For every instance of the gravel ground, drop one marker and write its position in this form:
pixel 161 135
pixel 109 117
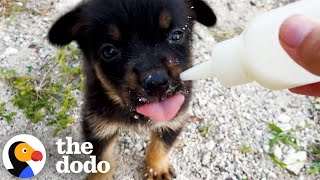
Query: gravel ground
pixel 232 116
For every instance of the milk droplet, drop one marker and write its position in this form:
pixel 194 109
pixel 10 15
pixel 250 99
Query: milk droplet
pixel 132 109
pixel 136 116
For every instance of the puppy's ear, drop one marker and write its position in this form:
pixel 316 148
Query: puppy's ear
pixel 66 28
pixel 202 12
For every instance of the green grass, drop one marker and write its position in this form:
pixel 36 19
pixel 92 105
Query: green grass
pixel 317 101
pixel 315 155
pixel 11 7
pixel 44 98
pixel 314 168
pixel 285 137
pixel 204 131
pixel 277 161
pixel 10 10
pixel 245 149
pixel 6 116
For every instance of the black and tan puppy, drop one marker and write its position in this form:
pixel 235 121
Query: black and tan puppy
pixel 134 52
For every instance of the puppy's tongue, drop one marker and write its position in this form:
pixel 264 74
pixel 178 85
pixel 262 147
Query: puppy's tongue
pixel 162 110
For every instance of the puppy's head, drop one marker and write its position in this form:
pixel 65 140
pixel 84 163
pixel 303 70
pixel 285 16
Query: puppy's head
pixel 136 49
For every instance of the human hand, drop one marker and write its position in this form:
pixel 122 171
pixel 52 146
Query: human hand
pixel 300 37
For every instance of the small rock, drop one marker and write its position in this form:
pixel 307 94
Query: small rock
pixel 178 144
pixel 10 51
pixel 6 38
pixel 126 151
pixel 302 123
pixel 237 131
pixel 285 126
pixel 202 102
pixel 266 148
pixel 295 161
pixel 276 151
pixel 139 147
pixel 210 145
pixel 284 118
pixel 291 150
pixel 221 120
pixel 272 175
pixel 19 4
pixel 285 149
pixel 258 132
pixel 206 158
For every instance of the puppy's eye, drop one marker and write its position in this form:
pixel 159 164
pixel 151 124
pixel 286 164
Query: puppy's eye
pixel 108 52
pixel 176 36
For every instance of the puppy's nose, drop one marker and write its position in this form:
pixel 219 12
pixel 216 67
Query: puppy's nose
pixel 156 84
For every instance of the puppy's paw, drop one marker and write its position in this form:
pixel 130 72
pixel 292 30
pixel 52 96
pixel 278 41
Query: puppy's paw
pixel 159 173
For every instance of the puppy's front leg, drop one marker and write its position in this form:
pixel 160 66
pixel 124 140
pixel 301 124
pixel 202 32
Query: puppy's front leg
pixel 157 165
pixel 103 149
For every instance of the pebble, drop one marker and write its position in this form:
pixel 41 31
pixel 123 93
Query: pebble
pixel 19 4
pixel 258 132
pixel 206 158
pixel 10 51
pixel 266 148
pixel 302 123
pixel 210 145
pixel 276 151
pixel 285 126
pixel 272 175
pixel 178 143
pixel 295 162
pixel 6 38
pixel 284 118
pixel 138 147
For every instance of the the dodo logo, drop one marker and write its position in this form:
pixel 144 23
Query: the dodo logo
pixel 24 156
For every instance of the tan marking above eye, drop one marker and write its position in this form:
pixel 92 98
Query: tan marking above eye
pixel 114 32
pixel 165 19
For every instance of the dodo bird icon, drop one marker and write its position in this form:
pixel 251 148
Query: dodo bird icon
pixel 19 154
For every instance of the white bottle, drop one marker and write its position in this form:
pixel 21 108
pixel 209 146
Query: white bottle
pixel 257 55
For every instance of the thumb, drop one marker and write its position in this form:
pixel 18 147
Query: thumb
pixel 300 37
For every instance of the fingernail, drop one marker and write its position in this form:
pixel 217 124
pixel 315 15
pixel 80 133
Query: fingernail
pixel 295 29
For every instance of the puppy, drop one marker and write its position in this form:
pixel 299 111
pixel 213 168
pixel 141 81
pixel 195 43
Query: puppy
pixel 134 52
